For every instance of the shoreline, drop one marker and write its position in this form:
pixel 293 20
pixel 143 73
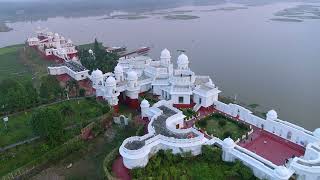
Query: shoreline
pixel 5 28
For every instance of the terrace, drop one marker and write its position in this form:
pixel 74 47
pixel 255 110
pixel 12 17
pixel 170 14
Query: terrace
pixel 159 125
pixel 271 147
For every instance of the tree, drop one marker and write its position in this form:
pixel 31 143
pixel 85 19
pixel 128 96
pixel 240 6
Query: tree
pixel 222 123
pixel 243 171
pixel 17 95
pixel 101 59
pixel 47 123
pixel 50 88
pixel 73 86
pixel 67 110
pixel 227 134
pixel 82 92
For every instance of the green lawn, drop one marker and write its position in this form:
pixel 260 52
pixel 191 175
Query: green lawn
pixel 223 129
pixel 19 128
pixel 19 61
pixel 10 64
pixel 17 157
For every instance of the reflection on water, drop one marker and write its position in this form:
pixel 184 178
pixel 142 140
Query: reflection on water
pixel 273 64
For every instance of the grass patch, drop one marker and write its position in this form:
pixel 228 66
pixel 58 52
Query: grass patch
pixel 223 127
pixel 20 61
pixel 10 63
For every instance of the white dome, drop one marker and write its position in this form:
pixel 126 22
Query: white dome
pixel 183 59
pixel 316 133
pixel 132 75
pixel 118 69
pixel 272 115
pixel 97 74
pixel 90 51
pixel 165 53
pixel 144 104
pixel 69 41
pixel 228 142
pixel 110 81
pixel 282 171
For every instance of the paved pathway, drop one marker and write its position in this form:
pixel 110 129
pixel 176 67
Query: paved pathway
pixel 120 171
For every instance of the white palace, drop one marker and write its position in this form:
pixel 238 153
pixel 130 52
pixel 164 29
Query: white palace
pixel 141 74
pixel 280 150
pixel 53 46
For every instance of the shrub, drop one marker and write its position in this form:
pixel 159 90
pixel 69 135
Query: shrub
pixel 218 116
pixel 227 134
pixel 243 126
pixel 203 123
pixel 222 123
pixel 82 92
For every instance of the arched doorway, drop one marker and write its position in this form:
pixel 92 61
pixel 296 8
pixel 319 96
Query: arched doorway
pixel 122 120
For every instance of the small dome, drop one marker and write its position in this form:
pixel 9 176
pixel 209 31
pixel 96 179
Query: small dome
pixel 132 75
pixel 183 59
pixel 118 69
pixel 272 115
pixel 144 104
pixel 90 51
pixel 316 133
pixel 228 142
pixel 97 74
pixel 282 171
pixel 110 81
pixel 165 53
pixel 69 41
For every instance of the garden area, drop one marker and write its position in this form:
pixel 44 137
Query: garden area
pixel 74 112
pixel 88 163
pixel 189 113
pixel 222 127
pixel 149 97
pixel 208 165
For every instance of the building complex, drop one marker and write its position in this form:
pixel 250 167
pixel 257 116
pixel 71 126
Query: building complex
pixel 278 150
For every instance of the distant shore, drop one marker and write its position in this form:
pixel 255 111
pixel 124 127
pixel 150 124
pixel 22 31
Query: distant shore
pixel 4 27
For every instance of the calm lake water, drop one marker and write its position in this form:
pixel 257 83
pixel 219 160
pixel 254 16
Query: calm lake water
pixel 271 63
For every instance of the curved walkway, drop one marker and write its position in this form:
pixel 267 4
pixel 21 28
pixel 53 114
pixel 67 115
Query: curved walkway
pixel 119 170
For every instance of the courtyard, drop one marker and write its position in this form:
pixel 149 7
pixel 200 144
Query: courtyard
pixel 222 127
pixel 271 147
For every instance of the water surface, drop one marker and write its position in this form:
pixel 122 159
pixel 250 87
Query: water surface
pixel 271 63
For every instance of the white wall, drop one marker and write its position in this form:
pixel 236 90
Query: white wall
pixel 278 127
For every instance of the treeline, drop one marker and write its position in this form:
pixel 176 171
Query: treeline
pixel 101 59
pixel 18 95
